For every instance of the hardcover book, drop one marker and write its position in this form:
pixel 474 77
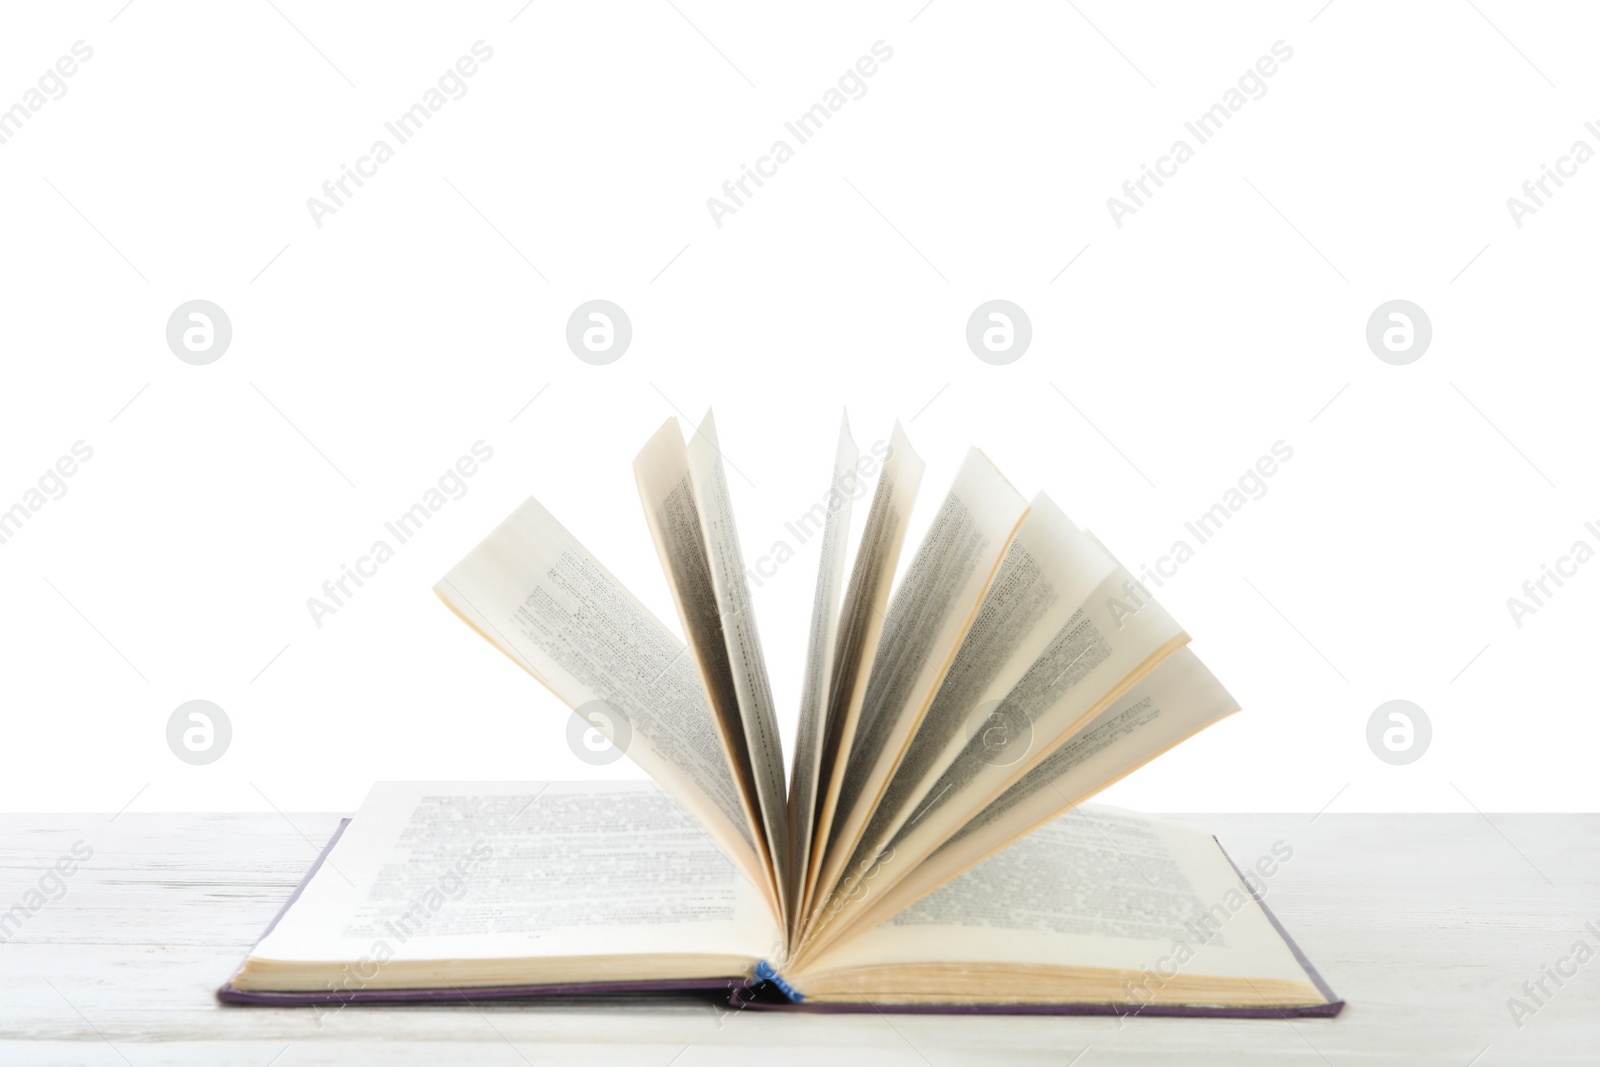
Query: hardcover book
pixel 926 847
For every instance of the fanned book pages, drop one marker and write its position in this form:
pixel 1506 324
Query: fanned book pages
pixel 925 849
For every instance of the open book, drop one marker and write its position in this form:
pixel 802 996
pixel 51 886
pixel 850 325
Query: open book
pixel 924 850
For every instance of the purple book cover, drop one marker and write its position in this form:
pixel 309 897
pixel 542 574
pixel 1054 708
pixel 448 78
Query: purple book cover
pixel 766 991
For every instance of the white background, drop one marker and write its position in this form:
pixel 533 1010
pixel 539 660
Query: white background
pixel 368 354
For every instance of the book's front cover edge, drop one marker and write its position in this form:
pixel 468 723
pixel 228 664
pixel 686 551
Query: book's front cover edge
pixel 1186 1011
pixel 464 994
pixel 1334 1002
pixel 311 872
pixel 228 994
pixel 761 1000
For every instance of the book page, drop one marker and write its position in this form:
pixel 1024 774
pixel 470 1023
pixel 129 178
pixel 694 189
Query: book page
pixel 758 716
pixel 860 629
pixel 1114 638
pixel 540 597
pixel 1172 703
pixel 1095 888
pixel 668 493
pixel 1046 573
pixel 847 481
pixel 437 876
pixel 928 616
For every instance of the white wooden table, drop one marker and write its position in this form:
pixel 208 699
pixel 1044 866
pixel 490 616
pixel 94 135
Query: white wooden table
pixel 1425 924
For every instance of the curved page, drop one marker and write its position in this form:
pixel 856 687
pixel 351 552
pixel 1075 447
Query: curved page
pixel 1175 701
pixel 848 480
pixel 544 600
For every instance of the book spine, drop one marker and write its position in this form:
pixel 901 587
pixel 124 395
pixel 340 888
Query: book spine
pixel 765 972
